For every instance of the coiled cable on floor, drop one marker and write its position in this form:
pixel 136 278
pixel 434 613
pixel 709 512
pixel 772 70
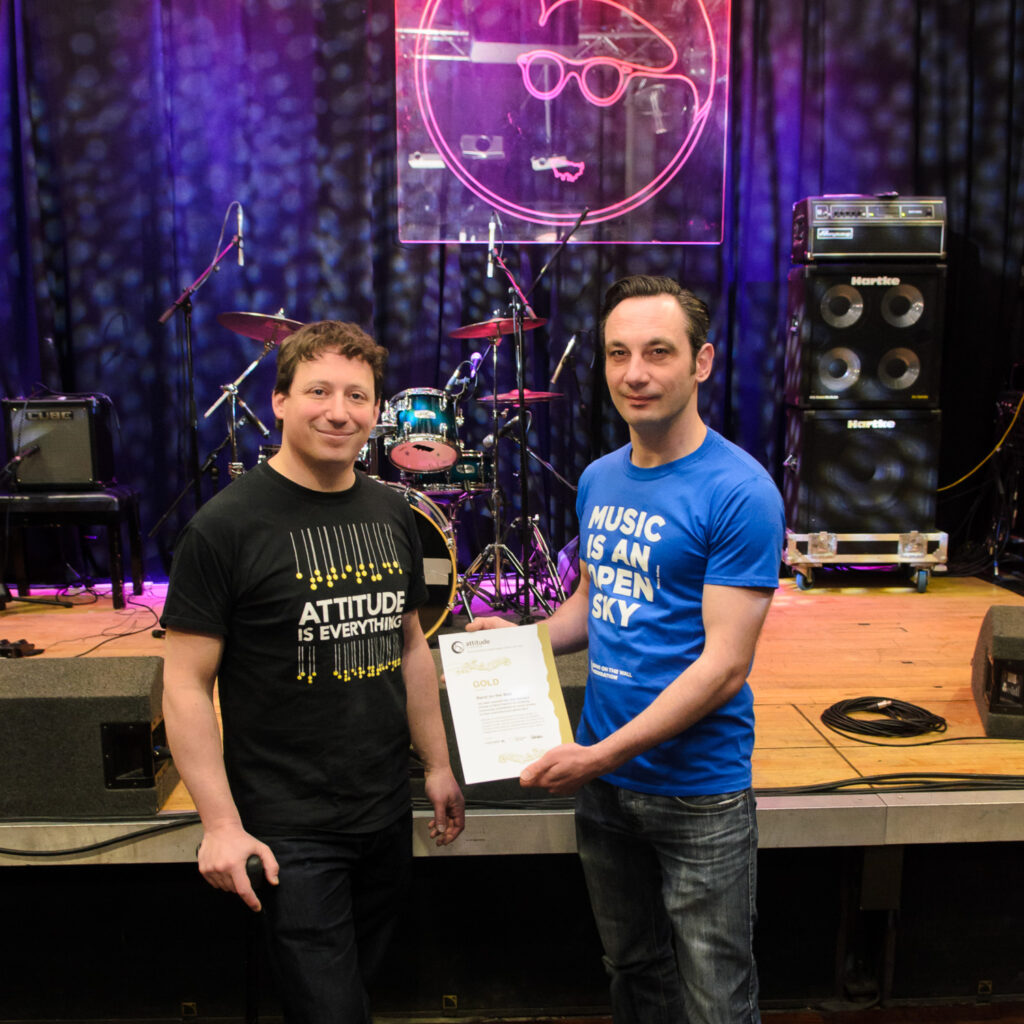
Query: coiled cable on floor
pixel 898 720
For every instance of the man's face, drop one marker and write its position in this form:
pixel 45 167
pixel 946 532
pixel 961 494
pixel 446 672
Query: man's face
pixel 329 409
pixel 649 365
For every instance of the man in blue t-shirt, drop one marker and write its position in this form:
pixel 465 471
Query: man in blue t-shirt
pixel 681 536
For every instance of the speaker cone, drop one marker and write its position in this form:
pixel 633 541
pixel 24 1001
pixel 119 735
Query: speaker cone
pixel 902 306
pixel 899 368
pixel 839 369
pixel 842 306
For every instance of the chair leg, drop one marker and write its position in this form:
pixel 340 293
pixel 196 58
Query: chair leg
pixel 135 544
pixel 18 558
pixel 116 560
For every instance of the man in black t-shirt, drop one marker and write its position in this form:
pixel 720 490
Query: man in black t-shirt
pixel 296 590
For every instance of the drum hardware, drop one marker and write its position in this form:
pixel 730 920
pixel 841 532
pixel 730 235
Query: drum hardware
pixel 536 561
pixel 266 329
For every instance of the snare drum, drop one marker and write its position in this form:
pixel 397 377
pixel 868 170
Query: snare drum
pixel 468 474
pixel 425 438
pixel 439 569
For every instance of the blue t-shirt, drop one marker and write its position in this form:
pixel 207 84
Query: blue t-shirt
pixel 651 539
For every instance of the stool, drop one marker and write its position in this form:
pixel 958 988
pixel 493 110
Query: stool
pixel 112 508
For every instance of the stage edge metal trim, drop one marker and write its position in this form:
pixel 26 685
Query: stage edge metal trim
pixel 890 819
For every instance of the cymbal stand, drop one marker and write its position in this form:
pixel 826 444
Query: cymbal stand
pixel 235 467
pixel 492 561
pixel 236 402
pixel 533 558
pixel 489 565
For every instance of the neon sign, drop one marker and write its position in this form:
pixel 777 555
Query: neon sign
pixel 536 109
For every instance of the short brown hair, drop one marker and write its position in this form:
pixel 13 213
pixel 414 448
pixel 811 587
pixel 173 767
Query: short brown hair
pixel 312 340
pixel 642 286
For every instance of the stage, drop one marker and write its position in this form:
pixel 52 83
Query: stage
pixel 869 888
pixel 815 787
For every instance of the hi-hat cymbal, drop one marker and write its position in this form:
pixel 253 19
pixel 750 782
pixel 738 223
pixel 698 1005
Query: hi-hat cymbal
pixel 512 397
pixel 260 326
pixel 496 327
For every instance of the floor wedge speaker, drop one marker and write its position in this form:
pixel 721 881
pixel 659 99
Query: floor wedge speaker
pixel 82 738
pixel 997 672
pixel 862 335
pixel 861 470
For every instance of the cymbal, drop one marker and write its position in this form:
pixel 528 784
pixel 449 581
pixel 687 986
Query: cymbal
pixel 512 397
pixel 259 326
pixel 496 327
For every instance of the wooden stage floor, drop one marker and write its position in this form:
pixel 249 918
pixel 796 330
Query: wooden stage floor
pixel 818 647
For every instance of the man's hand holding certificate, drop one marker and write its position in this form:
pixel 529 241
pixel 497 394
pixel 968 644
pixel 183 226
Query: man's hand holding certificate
pixel 506 701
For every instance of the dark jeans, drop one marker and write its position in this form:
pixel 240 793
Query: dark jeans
pixel 672 883
pixel 331 917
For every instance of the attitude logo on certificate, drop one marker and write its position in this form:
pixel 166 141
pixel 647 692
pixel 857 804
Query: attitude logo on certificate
pixel 507 704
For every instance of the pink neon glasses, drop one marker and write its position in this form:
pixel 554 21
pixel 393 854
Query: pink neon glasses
pixel 602 80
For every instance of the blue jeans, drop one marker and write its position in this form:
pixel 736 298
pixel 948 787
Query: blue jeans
pixel 330 919
pixel 672 881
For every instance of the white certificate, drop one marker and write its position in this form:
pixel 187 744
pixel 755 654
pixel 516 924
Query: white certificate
pixel 507 704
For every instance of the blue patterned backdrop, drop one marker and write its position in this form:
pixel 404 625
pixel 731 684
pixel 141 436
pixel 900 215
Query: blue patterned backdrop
pixel 127 129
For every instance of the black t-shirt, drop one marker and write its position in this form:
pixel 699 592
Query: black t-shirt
pixel 308 590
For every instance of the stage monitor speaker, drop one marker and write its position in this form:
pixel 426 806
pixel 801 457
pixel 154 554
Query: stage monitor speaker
pixel 83 738
pixel 862 335
pixel 71 438
pixel 861 471
pixel 997 672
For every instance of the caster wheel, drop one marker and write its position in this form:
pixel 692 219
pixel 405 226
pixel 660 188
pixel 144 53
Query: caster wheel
pixel 804 581
pixel 921 580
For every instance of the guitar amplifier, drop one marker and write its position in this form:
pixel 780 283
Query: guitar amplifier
pixel 869 227
pixel 59 442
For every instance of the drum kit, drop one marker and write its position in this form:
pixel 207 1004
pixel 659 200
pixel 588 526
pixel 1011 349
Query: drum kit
pixel 418 438
pixel 419 429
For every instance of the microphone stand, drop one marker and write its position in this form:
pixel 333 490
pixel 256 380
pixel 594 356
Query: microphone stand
pixel 519 305
pixel 184 302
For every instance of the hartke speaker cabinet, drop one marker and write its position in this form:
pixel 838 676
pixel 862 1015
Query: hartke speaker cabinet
pixel 861 470
pixel 74 439
pixel 82 737
pixel 862 335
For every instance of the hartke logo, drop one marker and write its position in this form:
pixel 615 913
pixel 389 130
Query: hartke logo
pixel 885 282
pixel 870 424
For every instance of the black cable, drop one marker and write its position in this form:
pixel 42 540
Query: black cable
pixel 180 821
pixel 929 782
pixel 898 718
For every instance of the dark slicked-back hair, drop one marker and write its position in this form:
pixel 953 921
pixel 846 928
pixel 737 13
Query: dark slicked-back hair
pixel 642 286
pixel 311 340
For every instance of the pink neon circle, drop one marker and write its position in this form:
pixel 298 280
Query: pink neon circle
pixel 629 203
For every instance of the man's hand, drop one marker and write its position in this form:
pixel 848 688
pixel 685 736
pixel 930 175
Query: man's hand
pixel 563 769
pixel 444 794
pixel 222 856
pixel 488 622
